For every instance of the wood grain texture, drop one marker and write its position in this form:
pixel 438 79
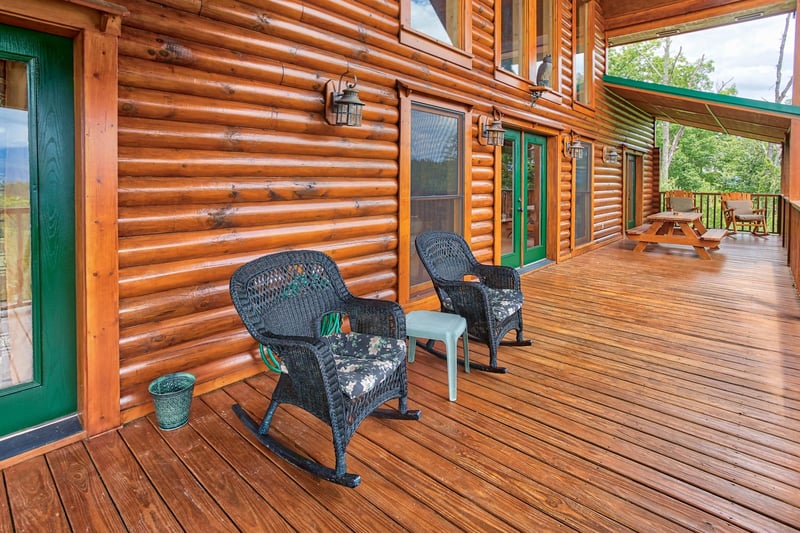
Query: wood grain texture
pixel 662 393
pixel 30 487
pixel 138 501
pixel 6 524
pixel 224 155
pixel 188 500
pixel 86 501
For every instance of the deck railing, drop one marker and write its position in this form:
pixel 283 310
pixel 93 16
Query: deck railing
pixel 710 205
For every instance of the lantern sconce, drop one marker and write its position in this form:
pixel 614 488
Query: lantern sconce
pixel 573 148
pixel 491 134
pixel 610 155
pixel 342 106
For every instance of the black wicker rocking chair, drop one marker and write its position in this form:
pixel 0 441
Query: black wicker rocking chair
pixel 487 296
pixel 341 378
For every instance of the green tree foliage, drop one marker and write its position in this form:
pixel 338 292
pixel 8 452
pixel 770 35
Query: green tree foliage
pixel 694 159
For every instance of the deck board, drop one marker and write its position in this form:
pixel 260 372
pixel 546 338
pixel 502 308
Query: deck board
pixel 86 501
pixel 140 506
pixel 662 393
pixel 193 507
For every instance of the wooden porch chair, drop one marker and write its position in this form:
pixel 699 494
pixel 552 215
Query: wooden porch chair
pixel 285 300
pixel 487 296
pixel 738 209
pixel 681 201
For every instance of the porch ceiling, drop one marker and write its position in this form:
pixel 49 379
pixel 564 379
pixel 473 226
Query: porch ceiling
pixel 629 21
pixel 744 117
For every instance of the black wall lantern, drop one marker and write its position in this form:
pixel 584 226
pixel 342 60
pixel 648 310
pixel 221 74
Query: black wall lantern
pixel 342 106
pixel 573 148
pixel 490 131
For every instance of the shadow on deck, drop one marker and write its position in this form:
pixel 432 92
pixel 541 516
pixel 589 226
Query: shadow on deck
pixel 662 393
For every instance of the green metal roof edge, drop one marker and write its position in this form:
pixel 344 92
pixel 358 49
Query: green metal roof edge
pixel 784 109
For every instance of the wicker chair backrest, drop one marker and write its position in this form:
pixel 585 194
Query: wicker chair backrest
pixel 445 255
pixel 286 293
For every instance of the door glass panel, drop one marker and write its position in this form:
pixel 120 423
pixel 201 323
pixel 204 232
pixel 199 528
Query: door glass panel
pixel 507 228
pixel 630 199
pixel 534 203
pixel 16 346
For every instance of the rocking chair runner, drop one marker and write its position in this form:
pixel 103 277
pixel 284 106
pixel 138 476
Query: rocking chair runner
pixel 283 300
pixel 487 296
pixel 738 209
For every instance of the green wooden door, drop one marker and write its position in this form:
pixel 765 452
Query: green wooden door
pixel 523 198
pixel 534 214
pixel 38 381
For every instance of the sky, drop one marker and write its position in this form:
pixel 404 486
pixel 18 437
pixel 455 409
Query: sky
pixel 747 53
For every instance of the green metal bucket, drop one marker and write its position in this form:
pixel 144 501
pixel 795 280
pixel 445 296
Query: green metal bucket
pixel 172 396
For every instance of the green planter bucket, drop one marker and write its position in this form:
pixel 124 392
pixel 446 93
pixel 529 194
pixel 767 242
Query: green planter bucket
pixel 172 396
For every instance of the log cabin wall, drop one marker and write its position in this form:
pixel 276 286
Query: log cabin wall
pixel 225 155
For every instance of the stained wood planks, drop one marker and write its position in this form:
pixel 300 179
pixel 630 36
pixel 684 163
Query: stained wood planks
pixel 30 486
pixel 629 413
pixel 87 504
pixel 224 154
pixel 138 501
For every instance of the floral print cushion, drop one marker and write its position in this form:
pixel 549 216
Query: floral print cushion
pixel 364 361
pixel 504 302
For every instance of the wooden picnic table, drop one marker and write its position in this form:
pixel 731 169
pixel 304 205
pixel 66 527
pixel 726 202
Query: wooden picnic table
pixel 673 227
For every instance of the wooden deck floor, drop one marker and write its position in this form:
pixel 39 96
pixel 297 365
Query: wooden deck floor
pixel 662 394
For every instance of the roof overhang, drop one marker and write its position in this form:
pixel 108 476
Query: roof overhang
pixel 753 119
pixel 643 20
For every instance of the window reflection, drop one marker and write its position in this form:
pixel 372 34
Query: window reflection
pixel 16 349
pixel 437 196
pixel 438 19
pixel 527 38
pixel 583 195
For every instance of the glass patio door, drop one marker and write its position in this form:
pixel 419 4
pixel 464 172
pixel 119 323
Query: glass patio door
pixel 523 198
pixel 38 380
pixel 631 189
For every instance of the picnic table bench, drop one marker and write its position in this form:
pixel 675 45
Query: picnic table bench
pixel 673 227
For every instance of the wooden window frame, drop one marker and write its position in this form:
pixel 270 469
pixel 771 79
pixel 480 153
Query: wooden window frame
pixel 408 97
pixel 459 55
pixel 525 82
pixel 588 66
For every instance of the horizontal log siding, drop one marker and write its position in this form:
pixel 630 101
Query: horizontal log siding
pixel 225 155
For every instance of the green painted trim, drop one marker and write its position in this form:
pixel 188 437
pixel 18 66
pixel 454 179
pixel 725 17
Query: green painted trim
pixel 736 101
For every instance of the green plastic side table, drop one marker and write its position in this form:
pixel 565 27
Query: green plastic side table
pixel 445 327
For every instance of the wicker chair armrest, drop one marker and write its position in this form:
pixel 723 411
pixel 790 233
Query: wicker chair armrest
pixel 304 355
pixel 497 276
pixel 376 317
pixel 276 341
pixel 468 298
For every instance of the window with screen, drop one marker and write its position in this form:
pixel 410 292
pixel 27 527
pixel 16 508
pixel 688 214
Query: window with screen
pixel 436 176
